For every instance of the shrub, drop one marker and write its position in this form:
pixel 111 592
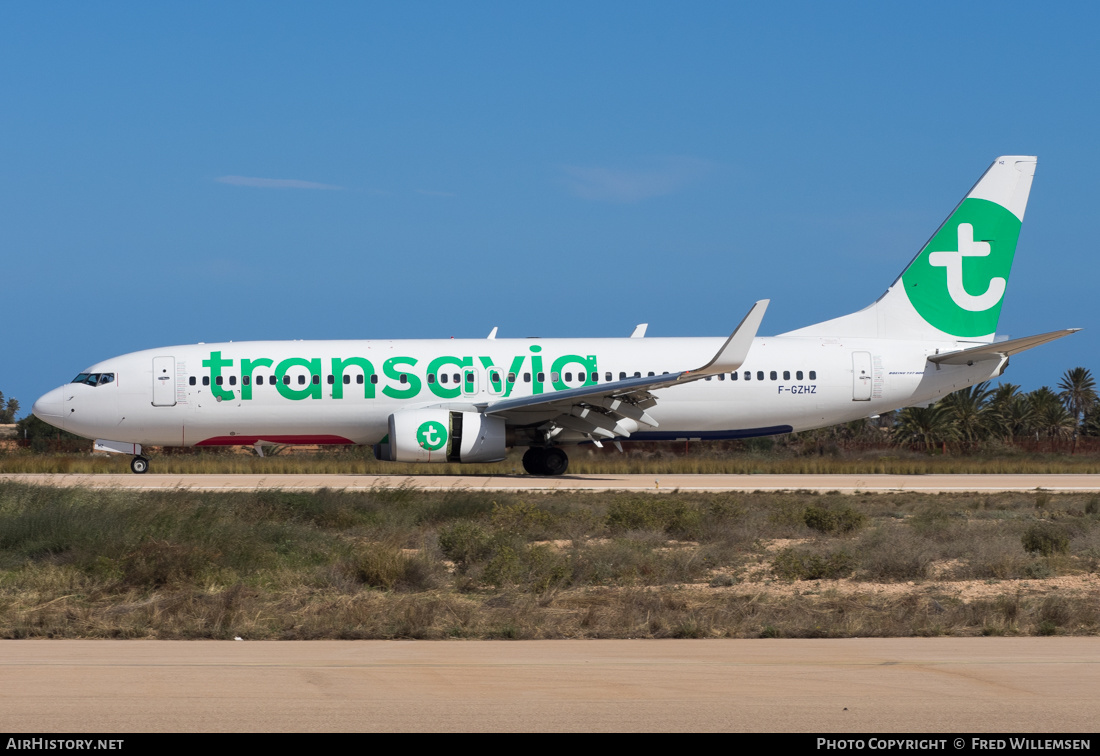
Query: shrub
pixel 1045 538
pixel 794 564
pixel 465 542
pixel 387 567
pixel 833 520
pixel 676 518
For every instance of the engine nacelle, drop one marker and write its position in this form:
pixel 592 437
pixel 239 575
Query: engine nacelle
pixel 439 435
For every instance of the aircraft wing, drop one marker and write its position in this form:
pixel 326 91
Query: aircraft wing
pixel 997 350
pixel 608 410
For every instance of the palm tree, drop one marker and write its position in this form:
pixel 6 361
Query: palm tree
pixel 969 412
pixel 1050 418
pixel 1079 395
pixel 927 425
pixel 1007 411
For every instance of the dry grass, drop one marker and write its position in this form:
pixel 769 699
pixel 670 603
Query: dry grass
pixel 400 563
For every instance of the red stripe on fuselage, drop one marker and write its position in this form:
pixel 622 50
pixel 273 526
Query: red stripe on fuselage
pixel 249 440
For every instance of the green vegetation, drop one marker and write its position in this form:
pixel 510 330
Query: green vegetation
pixel 402 563
pixel 8 409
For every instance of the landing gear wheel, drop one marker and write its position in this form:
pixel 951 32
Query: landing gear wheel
pixel 139 465
pixel 533 461
pixel 545 461
pixel 556 462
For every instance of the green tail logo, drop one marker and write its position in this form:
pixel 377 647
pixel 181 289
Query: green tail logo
pixel 957 283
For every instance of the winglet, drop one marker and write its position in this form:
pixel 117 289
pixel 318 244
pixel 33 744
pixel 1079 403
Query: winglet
pixel 733 353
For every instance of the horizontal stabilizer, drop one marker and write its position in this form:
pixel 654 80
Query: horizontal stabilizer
pixel 998 350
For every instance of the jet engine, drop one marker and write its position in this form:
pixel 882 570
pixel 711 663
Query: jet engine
pixel 439 435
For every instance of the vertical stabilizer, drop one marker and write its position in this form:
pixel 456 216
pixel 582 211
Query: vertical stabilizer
pixel 953 289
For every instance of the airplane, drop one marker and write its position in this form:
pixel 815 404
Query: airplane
pixel 443 400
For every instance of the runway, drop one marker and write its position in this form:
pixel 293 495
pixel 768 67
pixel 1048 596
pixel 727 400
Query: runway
pixel 848 484
pixel 936 685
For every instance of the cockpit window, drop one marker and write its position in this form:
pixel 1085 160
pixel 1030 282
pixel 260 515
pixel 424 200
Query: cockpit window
pixel 94 379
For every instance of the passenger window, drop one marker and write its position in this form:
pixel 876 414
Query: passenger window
pixel 637 374
pixel 232 380
pixel 651 374
pixel 798 375
pixel 458 378
pixel 748 375
pixel 786 375
pixel 260 380
pixel 555 377
pixel 721 376
pixel 359 379
pixel 218 380
pixel 733 376
pixel 709 377
pixel 191 381
pixel 331 379
pixel 526 377
pixel 622 376
pixel 316 380
pixel 443 378
pixel 542 377
pixel 431 378
pixel 813 375
pixel 246 380
pixel 494 378
pixel 206 380
pixel 568 377
pixel 607 376
pixel 404 378
pixel 774 376
pixel 373 378
pixel 511 377
pixel 301 380
pixel 596 377
pixel 759 375
pixel 469 378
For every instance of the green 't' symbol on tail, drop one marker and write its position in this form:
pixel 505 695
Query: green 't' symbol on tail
pixel 957 283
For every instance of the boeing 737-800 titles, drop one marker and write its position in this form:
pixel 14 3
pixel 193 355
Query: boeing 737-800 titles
pixel 931 333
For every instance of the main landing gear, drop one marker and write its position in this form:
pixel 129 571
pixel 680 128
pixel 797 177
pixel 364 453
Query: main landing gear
pixel 139 464
pixel 548 460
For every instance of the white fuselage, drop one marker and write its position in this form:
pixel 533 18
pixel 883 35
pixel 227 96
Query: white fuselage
pixel 344 391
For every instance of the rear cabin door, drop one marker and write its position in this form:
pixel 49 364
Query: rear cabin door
pixel 861 376
pixel 164 381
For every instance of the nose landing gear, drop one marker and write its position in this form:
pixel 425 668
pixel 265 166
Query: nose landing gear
pixel 550 460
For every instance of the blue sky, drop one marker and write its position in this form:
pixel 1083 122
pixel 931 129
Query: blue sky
pixel 174 173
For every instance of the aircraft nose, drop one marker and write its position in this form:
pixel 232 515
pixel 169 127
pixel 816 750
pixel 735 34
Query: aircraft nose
pixel 50 407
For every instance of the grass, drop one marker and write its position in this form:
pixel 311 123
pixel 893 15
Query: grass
pixel 402 563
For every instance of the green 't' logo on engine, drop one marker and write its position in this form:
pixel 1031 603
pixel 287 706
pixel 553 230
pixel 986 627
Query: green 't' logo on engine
pixel 957 283
pixel 431 435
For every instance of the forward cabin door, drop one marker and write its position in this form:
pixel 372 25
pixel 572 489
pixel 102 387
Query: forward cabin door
pixel 861 376
pixel 164 381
